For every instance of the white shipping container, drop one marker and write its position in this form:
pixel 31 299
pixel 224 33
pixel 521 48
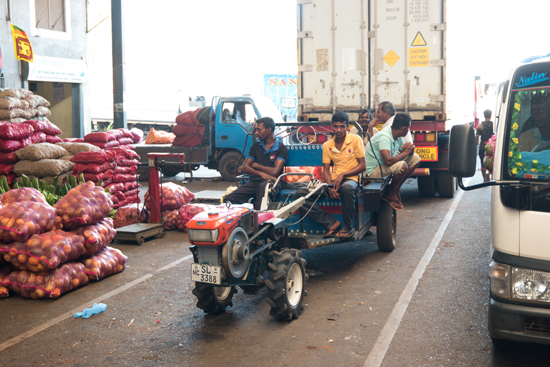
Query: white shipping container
pixel 353 54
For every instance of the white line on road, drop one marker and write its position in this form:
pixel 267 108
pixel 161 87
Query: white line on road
pixel 175 263
pixel 68 314
pixel 378 352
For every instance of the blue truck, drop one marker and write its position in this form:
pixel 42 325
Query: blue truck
pixel 226 141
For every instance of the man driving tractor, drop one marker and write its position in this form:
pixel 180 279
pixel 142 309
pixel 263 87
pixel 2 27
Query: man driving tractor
pixel 345 152
pixel 264 163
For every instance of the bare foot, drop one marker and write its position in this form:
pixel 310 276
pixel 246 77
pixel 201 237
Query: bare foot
pixel 333 229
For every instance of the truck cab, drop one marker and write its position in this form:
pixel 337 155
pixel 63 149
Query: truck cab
pixel 519 307
pixel 226 138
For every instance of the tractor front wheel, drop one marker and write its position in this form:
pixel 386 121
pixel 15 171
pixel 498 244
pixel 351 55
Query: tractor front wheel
pixel 286 284
pixel 213 300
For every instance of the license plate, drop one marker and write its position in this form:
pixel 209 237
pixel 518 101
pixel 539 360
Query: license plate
pixel 210 274
pixel 427 154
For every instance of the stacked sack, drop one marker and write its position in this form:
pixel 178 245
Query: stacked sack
pixel 45 130
pixel 112 138
pixel 43 160
pixel 39 253
pixel 172 198
pixel 95 166
pixel 125 186
pixel 190 127
pixel 12 138
pixel 130 214
pixel 18 105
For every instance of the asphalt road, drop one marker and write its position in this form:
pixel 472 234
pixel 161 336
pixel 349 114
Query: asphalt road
pixel 425 304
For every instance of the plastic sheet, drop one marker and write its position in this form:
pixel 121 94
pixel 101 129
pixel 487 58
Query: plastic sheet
pixel 84 204
pixel 48 284
pixel 105 263
pixel 44 251
pixel 19 221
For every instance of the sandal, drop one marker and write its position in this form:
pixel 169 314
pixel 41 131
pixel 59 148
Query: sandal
pixel 331 231
pixel 394 203
pixel 345 234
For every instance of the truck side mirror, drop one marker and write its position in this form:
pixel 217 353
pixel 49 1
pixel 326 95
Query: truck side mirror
pixel 462 151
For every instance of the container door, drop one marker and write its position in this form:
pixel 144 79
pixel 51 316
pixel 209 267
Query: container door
pixel 407 58
pixel 332 55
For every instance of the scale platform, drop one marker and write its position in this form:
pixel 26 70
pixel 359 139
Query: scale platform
pixel 139 232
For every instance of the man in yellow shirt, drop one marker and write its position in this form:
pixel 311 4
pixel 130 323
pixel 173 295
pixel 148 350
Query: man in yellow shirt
pixel 345 152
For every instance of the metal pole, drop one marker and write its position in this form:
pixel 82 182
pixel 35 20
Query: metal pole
pixel 119 84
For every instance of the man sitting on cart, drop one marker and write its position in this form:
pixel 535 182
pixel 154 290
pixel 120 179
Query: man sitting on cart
pixel 387 154
pixel 345 152
pixel 264 163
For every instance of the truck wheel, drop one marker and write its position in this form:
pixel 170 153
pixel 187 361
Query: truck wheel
pixel 213 300
pixel 445 184
pixel 143 173
pixel 228 165
pixel 286 284
pixel 171 171
pixel 426 186
pixel 386 227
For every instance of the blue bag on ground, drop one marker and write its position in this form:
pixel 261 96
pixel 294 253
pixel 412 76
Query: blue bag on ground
pixel 96 308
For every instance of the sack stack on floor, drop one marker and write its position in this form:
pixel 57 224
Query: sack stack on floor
pixel 18 105
pixel 95 166
pixel 42 160
pixel 125 186
pixel 172 198
pixel 45 261
pixel 128 214
pixel 111 138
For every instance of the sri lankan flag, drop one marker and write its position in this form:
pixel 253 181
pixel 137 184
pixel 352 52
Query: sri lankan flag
pixel 22 44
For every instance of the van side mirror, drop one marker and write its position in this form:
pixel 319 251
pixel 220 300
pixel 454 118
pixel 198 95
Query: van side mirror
pixel 462 151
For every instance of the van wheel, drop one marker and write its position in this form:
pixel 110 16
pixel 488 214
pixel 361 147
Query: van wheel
pixel 386 227
pixel 228 165
pixel 426 186
pixel 286 284
pixel 213 300
pixel 445 184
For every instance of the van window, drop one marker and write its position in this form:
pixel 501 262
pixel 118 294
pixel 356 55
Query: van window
pixel 528 134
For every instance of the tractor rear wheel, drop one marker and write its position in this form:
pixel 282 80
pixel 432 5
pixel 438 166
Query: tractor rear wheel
pixel 286 284
pixel 213 300
pixel 386 227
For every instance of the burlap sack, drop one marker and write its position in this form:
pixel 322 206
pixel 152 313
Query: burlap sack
pixel 43 167
pixel 74 148
pixel 7 103
pixel 37 152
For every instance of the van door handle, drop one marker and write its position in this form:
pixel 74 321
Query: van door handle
pixel 224 137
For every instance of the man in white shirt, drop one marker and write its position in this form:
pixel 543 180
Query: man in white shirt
pixel 385 115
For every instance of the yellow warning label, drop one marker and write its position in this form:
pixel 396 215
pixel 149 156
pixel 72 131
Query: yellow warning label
pixel 391 58
pixel 419 57
pixel 419 40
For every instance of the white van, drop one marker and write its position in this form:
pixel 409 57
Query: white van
pixel 519 308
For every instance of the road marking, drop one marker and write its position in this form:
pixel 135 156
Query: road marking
pixel 68 314
pixel 175 263
pixel 378 352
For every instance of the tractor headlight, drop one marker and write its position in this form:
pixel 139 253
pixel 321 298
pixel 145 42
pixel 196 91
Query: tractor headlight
pixel 530 285
pixel 203 235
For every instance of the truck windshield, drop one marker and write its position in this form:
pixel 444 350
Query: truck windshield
pixel 528 133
